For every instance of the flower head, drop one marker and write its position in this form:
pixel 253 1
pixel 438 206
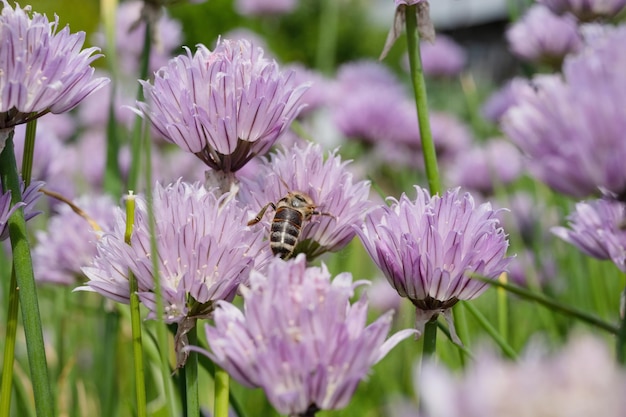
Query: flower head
pixel 596 228
pixel 30 195
pixel 205 251
pixel 443 57
pixel 424 24
pixel 429 249
pixel 541 36
pixel 69 241
pixel 586 10
pixel 265 7
pixel 580 380
pixel 307 352
pixel 225 106
pixel 327 182
pixel 42 70
pixel 572 127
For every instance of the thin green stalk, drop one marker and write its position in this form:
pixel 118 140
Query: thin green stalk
pixel 135 166
pixel 328 30
pixel 482 320
pixel 553 305
pixel 191 376
pixel 29 151
pixel 135 318
pixel 221 381
pixel 503 309
pixel 161 327
pixel 460 323
pixel 23 266
pixel 430 338
pixel 621 338
pixel 9 348
pixel 108 355
pixel 421 100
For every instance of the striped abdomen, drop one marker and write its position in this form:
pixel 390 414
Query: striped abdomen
pixel 285 231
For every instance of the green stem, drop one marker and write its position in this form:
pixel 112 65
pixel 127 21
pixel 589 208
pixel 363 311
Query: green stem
pixel 23 266
pixel 430 338
pixel 503 309
pixel 29 151
pixel 135 167
pixel 191 376
pixel 460 323
pixel 482 320
pixel 9 348
pixel 553 305
pixel 421 100
pixel 161 327
pixel 621 337
pixel 221 381
pixel 328 30
pixel 135 319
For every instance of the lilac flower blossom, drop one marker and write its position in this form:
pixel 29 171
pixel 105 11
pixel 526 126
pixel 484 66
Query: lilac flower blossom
pixel 265 7
pixel 69 241
pixel 328 182
pixel 205 251
pixel 443 57
pixel 225 106
pixel 572 127
pixel 309 351
pixel 485 167
pixel 360 102
pixel 596 228
pixel 541 36
pixel 42 70
pixel 30 195
pixel 430 248
pixel 582 379
pixel 586 10
pixel 499 102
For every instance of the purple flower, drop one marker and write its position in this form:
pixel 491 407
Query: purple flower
pixel 225 106
pixel 485 167
pixel 264 7
pixel 586 10
pixel 69 241
pixel 42 70
pixel 30 195
pixel 572 127
pixel 430 248
pixel 582 379
pixel 499 102
pixel 309 351
pixel 205 250
pixel 442 58
pixel 596 228
pixel 541 36
pixel 326 181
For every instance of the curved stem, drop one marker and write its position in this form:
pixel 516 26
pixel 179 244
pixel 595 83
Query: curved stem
pixel 23 266
pixel 421 100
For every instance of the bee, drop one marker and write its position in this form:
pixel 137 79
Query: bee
pixel 291 212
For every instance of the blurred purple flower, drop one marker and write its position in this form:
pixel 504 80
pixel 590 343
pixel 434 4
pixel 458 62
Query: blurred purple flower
pixel 309 351
pixel 361 99
pixel 582 379
pixel 329 184
pixel 318 93
pixel 205 251
pixel 499 103
pixel 528 270
pixel 443 57
pixel 541 36
pixel 430 248
pixel 130 26
pixel 42 70
pixel 573 127
pixel 485 167
pixel 30 195
pixel 264 7
pixel 225 106
pixel 586 10
pixel 597 229
pixel 69 241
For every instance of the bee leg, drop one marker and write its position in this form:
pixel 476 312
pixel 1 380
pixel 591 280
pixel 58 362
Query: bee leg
pixel 318 213
pixel 261 213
